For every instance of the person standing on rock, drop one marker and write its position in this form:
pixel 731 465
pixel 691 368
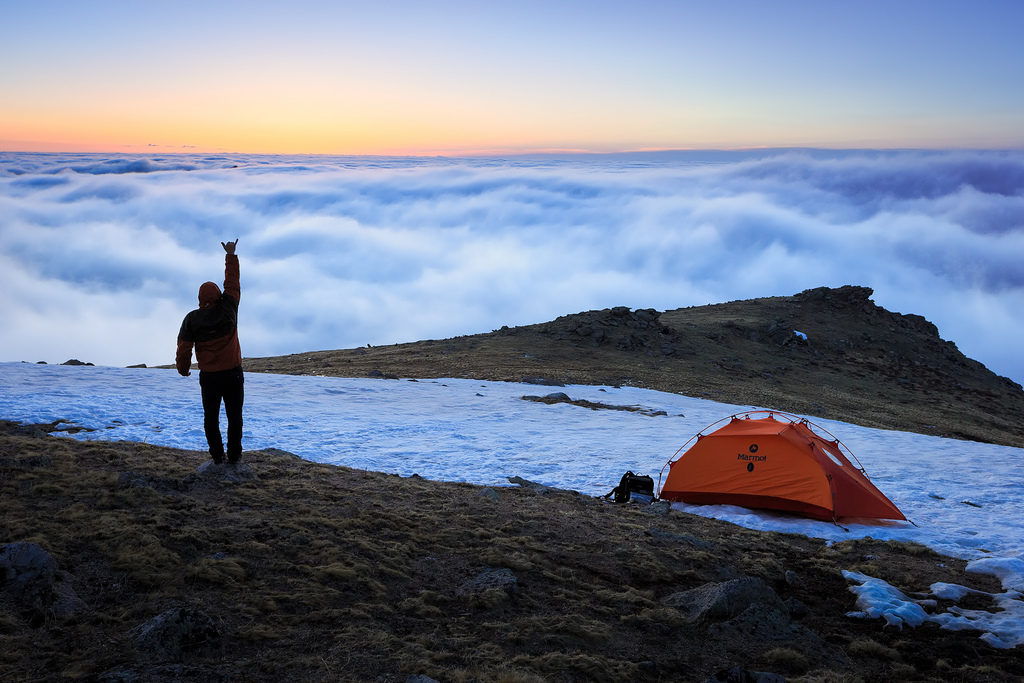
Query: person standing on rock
pixel 213 329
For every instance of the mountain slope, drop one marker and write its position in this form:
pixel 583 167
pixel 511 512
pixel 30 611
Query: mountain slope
pixel 859 362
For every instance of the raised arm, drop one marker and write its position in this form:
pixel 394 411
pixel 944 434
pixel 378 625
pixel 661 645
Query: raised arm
pixel 232 286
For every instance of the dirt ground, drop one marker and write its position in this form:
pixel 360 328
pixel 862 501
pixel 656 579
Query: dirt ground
pixel 324 573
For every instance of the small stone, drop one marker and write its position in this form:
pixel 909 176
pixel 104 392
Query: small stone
pixel 530 485
pixel 28 572
pixel 175 633
pixel 720 601
pixel 67 604
pixel 660 508
pixel 797 609
pixel 490 579
pixel 542 381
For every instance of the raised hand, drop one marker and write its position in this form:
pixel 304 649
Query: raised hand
pixel 229 247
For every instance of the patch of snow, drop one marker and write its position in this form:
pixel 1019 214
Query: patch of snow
pixel 877 599
pixel 1009 570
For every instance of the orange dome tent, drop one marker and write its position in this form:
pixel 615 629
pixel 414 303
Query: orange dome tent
pixel 759 461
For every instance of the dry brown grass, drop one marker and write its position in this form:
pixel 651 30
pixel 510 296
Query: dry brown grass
pixel 784 660
pixel 329 574
pixel 873 649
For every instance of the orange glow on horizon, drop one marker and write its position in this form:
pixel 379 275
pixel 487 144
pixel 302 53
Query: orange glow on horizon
pixel 406 136
pixel 299 118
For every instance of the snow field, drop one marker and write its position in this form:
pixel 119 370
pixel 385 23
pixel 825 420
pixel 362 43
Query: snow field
pixel 963 496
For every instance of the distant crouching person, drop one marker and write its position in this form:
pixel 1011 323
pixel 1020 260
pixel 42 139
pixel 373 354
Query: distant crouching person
pixel 213 329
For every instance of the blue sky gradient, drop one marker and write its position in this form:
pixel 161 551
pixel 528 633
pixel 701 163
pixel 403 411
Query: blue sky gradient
pixel 459 77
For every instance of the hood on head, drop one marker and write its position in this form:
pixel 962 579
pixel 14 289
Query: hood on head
pixel 209 294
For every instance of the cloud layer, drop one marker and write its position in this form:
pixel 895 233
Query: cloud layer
pixel 101 257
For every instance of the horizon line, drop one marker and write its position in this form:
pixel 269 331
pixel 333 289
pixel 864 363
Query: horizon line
pixel 190 150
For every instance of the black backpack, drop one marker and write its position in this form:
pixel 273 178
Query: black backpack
pixel 635 487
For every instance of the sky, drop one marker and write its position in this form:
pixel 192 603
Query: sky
pixel 460 77
pixel 411 170
pixel 962 497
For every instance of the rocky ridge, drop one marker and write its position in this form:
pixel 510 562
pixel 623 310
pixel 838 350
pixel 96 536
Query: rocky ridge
pixel 829 352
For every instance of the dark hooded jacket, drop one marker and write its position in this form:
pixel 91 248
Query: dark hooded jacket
pixel 213 327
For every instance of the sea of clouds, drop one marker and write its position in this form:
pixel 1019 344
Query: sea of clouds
pixel 102 255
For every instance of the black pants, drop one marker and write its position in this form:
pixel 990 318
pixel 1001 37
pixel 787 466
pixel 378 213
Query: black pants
pixel 227 385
